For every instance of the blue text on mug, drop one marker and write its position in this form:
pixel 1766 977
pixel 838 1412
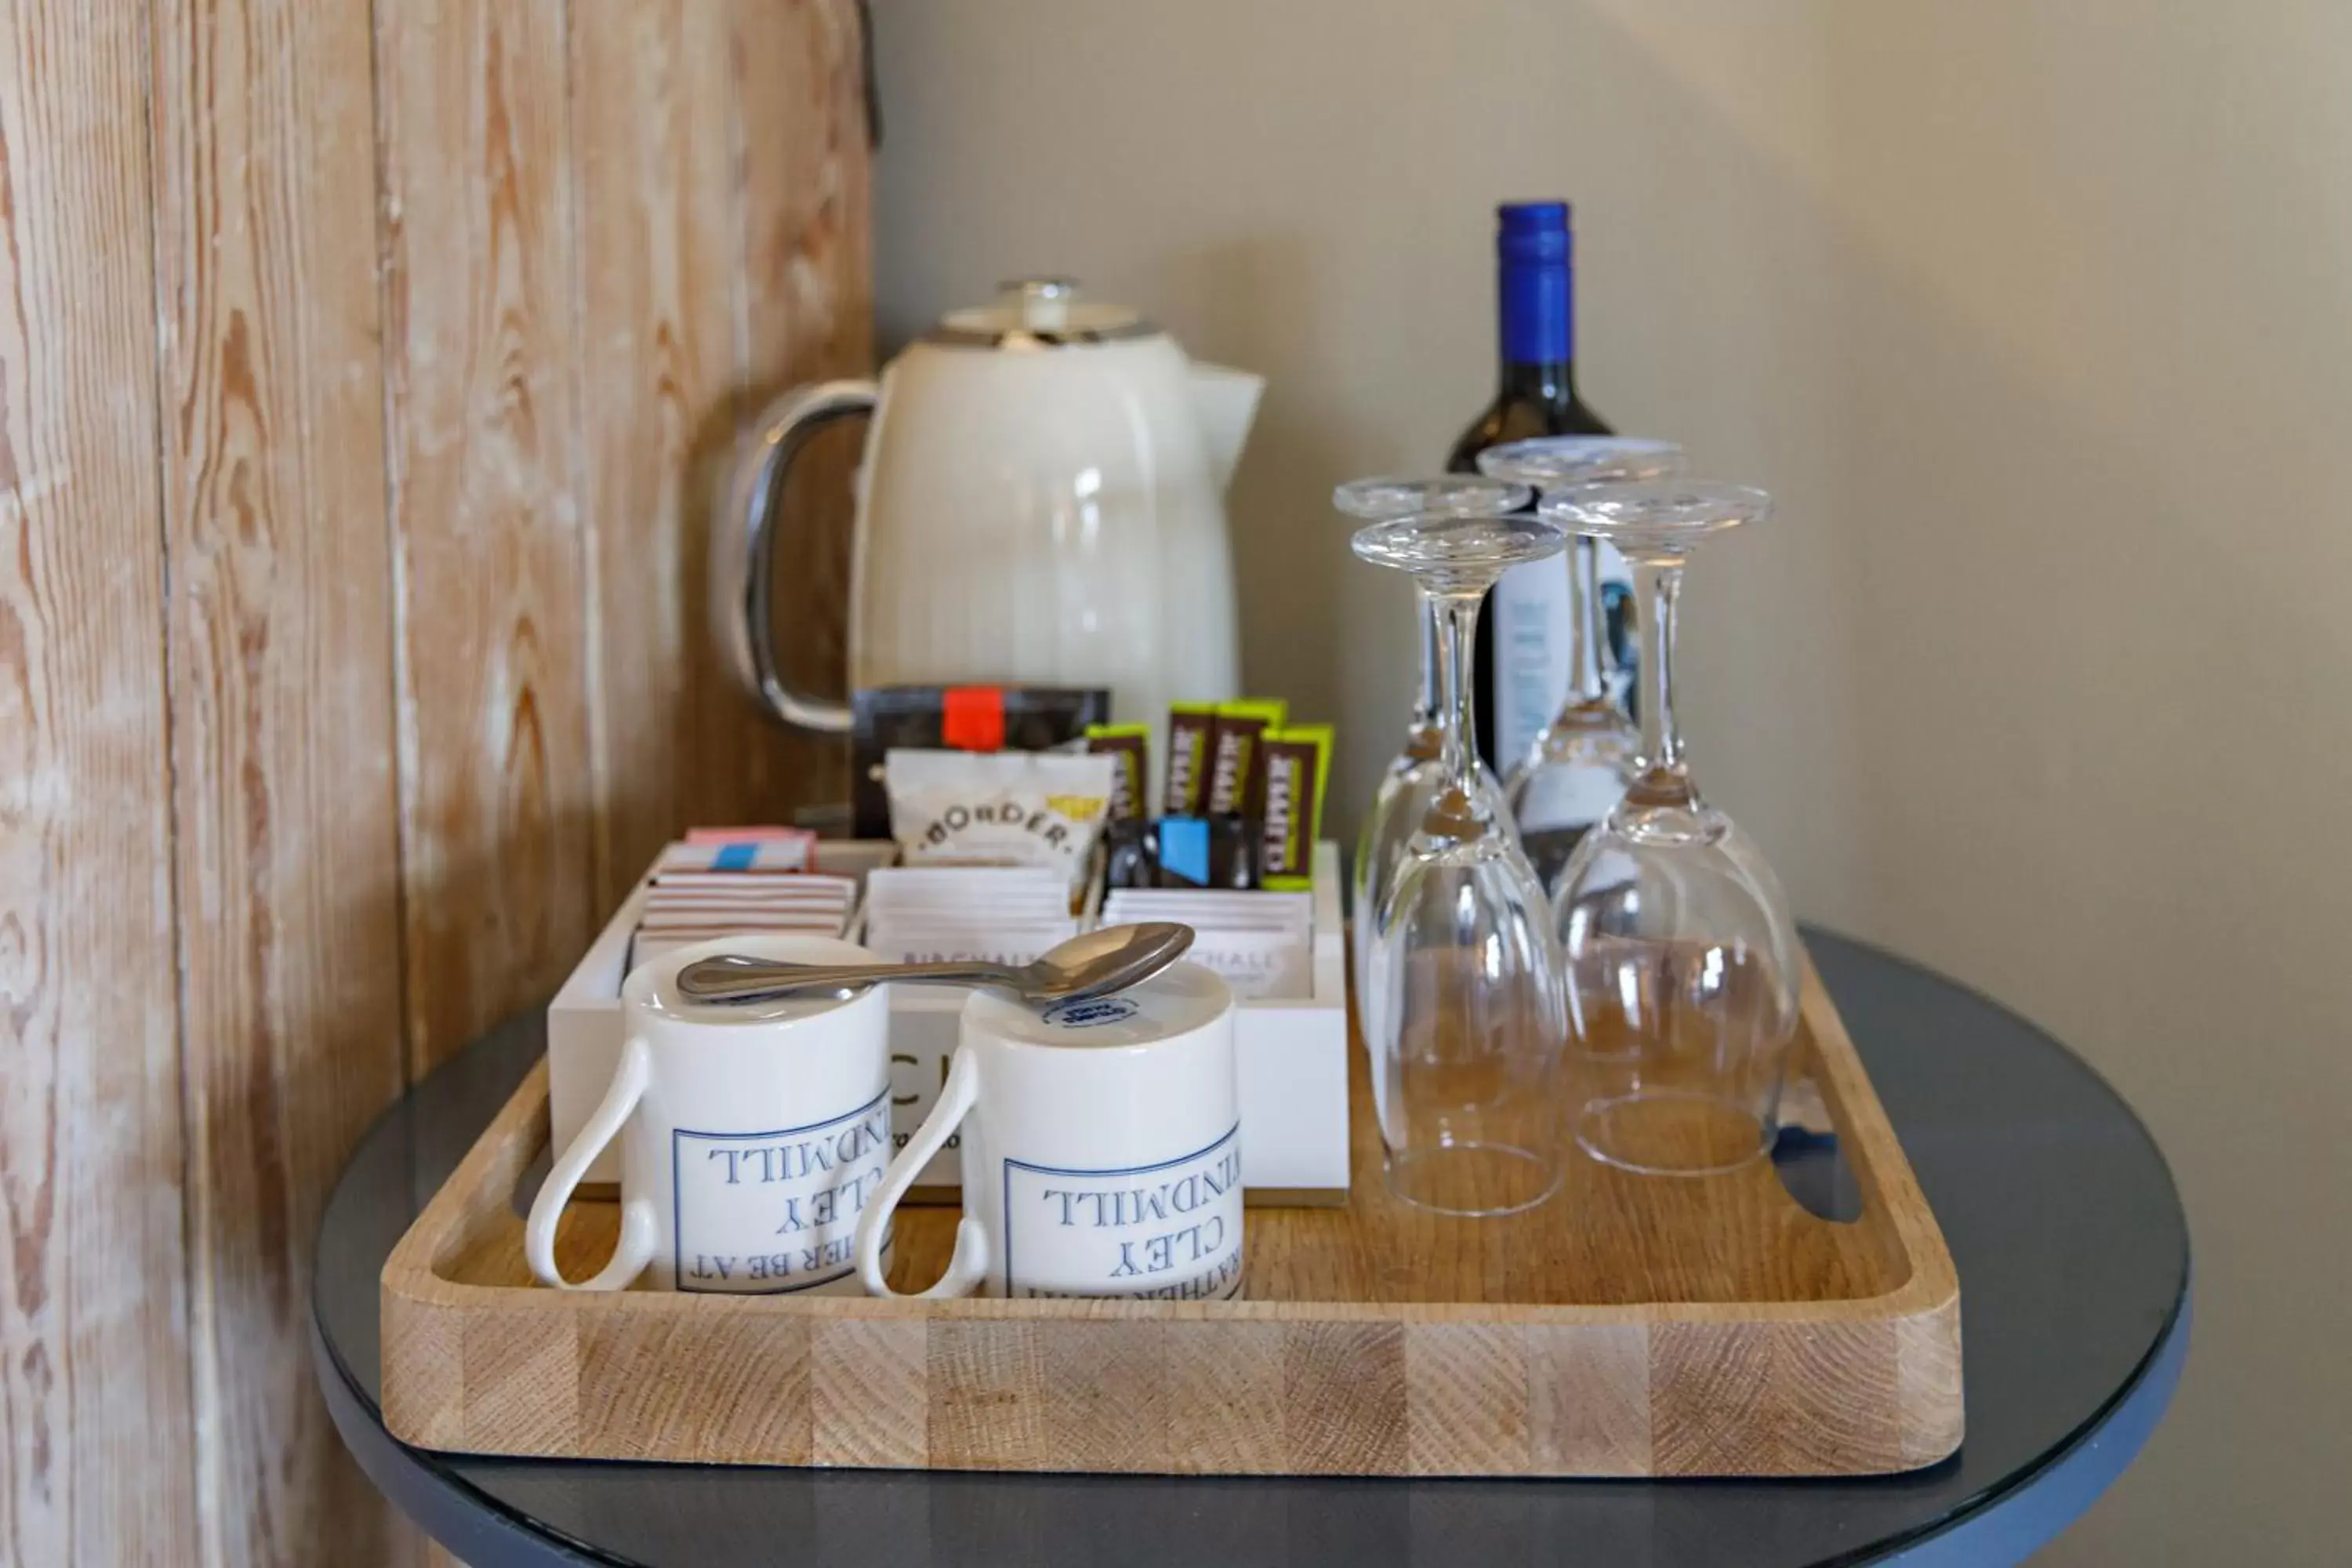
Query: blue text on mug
pixel 765 1213
pixel 1169 1231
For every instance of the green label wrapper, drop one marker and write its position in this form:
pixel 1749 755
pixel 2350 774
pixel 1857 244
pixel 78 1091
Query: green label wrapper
pixel 1297 761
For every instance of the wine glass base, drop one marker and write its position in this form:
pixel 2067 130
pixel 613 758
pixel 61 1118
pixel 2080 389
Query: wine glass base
pixel 1473 1181
pixel 1673 1133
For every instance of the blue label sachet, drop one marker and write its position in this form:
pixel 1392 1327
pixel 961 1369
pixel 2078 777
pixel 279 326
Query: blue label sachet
pixel 1185 847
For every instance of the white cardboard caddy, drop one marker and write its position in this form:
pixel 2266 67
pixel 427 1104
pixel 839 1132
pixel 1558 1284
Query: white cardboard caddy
pixel 1293 1053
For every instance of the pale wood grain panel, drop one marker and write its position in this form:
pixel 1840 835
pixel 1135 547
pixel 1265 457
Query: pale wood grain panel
pixel 1466 1399
pixel 869 1392
pixel 482 384
pixel 660 271
pixel 805 312
pixel 985 1386
pixel 1225 1397
pixel 808 307
pixel 281 696
pixel 1926 1369
pixel 363 486
pixel 522 1373
pixel 1106 1386
pixel 1773 1398
pixel 431 1405
pixel 738 1381
pixel 1785 1345
pixel 96 1436
pixel 1343 1398
pixel 1588 1399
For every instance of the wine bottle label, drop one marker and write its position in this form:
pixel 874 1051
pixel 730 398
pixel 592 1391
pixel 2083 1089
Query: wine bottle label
pixel 1534 612
pixel 1531 609
pixel 1563 797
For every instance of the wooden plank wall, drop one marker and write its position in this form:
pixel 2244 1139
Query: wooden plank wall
pixel 365 371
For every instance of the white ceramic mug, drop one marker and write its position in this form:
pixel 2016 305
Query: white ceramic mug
pixel 1101 1148
pixel 752 1135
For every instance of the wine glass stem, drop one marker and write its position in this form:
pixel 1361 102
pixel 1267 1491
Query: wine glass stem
pixel 1456 614
pixel 1659 583
pixel 1433 635
pixel 1586 636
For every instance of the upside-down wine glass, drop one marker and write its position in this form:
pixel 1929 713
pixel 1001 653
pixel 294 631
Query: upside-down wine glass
pixel 1677 944
pixel 1465 1020
pixel 1405 786
pixel 1574 773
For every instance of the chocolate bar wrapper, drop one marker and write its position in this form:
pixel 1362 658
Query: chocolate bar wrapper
pixel 1297 762
pixel 1130 745
pixel 958 719
pixel 1236 783
pixel 1191 727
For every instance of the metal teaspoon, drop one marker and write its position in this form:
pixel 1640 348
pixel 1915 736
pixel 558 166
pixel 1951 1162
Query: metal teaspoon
pixel 1094 964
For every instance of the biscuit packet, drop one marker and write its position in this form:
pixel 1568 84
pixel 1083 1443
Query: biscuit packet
pixel 1000 808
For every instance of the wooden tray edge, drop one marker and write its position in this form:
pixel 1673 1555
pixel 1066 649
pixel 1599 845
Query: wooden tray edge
pixel 1925 1309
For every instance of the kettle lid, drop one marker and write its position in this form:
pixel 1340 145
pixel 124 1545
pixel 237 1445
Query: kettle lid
pixel 1043 312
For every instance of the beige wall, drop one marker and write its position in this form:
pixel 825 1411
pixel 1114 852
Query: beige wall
pixel 2036 319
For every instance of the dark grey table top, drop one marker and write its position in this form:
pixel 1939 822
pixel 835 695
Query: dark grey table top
pixel 2074 1262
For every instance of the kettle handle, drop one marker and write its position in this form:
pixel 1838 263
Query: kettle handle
pixel 742 596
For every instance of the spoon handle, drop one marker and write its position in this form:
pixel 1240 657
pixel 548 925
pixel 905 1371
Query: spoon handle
pixel 750 980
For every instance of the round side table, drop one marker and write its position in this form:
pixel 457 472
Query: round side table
pixel 2073 1261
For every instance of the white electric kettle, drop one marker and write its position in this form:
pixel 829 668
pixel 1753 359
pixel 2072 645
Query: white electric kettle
pixel 1042 500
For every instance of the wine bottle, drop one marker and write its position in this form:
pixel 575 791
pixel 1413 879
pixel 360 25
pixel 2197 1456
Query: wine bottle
pixel 1521 674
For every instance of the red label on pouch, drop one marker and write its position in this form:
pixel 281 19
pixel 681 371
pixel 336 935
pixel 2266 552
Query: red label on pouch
pixel 972 718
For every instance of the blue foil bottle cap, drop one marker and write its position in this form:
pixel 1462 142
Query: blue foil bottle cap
pixel 1532 253
pixel 1531 231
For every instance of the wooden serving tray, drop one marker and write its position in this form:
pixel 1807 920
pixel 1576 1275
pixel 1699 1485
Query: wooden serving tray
pixel 1632 1326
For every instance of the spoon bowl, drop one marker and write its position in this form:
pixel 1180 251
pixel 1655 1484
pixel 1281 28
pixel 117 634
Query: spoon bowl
pixel 1093 964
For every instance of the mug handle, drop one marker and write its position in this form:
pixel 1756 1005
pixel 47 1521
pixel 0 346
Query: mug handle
pixel 969 1264
pixel 640 1226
